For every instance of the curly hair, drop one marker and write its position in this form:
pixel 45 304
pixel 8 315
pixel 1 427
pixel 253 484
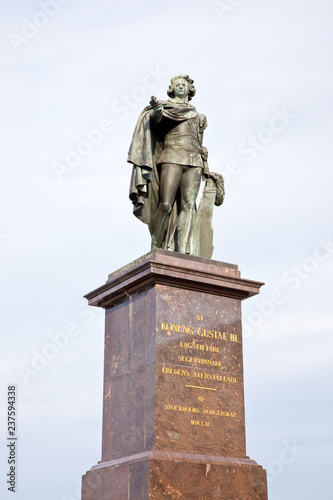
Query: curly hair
pixel 191 87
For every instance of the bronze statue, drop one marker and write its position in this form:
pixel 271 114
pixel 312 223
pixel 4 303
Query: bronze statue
pixel 169 162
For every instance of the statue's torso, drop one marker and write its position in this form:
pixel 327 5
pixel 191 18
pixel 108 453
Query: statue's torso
pixel 181 142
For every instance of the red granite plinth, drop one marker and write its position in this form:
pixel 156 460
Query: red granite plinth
pixel 173 420
pixel 175 476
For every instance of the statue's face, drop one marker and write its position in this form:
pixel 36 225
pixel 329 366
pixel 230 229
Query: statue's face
pixel 180 88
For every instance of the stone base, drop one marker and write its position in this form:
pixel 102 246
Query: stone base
pixel 163 475
pixel 173 416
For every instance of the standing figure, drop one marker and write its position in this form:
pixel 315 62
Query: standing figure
pixel 168 163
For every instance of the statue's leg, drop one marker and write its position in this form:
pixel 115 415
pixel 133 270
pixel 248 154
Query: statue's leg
pixel 189 188
pixel 169 182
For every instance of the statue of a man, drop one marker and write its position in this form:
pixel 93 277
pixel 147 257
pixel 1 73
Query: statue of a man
pixel 168 163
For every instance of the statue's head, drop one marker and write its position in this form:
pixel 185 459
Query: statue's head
pixel 186 81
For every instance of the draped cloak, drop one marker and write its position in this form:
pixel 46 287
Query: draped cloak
pixel 144 152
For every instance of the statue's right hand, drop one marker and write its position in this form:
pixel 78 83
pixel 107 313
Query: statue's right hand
pixel 156 105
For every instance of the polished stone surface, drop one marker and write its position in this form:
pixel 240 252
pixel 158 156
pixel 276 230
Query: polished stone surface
pixel 157 477
pixel 172 269
pixel 199 391
pixel 173 383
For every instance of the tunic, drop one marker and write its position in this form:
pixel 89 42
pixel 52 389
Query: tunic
pixel 181 144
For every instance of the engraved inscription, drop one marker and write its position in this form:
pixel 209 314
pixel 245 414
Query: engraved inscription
pixel 200 347
pixel 191 409
pixel 201 332
pixel 182 408
pixel 196 361
pixel 199 375
pixel 219 413
pixel 175 371
pixel 211 334
pixel 171 327
pixel 201 423
pixel 212 379
pixel 214 376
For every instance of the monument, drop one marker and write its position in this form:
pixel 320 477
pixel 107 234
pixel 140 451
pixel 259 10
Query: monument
pixel 169 161
pixel 173 414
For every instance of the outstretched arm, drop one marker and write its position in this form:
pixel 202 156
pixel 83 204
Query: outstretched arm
pixel 157 110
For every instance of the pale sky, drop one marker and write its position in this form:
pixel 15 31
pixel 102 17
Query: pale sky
pixel 263 74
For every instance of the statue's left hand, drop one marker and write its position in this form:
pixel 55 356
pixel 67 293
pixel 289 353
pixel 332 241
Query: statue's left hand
pixel 203 122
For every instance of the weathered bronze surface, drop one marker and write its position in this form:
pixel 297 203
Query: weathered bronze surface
pixel 169 162
pixel 173 419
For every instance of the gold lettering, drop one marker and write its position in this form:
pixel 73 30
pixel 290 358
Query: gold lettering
pixel 199 361
pixel 181 408
pixel 174 371
pixel 173 327
pixel 185 359
pixel 231 380
pixel 201 423
pixel 199 317
pixel 202 332
pixel 208 376
pixel 211 348
pixel 210 334
pixel 220 413
pixel 200 347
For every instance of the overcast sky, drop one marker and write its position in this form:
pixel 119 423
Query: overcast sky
pixel 75 75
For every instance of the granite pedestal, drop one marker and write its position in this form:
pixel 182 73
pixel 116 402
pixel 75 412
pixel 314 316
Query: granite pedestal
pixel 173 418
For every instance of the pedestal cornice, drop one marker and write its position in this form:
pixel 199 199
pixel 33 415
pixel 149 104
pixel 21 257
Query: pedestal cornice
pixel 177 270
